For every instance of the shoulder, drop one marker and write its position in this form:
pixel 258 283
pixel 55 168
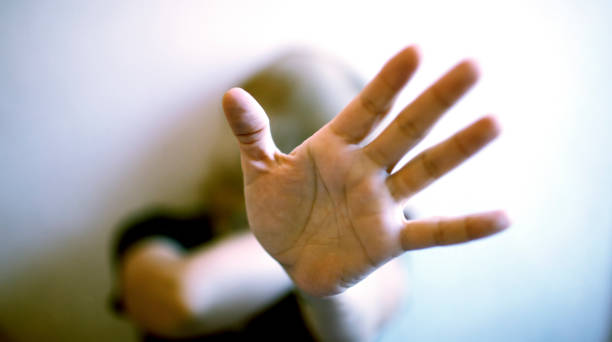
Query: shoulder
pixel 187 231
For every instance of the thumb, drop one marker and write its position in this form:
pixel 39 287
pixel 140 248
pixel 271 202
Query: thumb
pixel 250 125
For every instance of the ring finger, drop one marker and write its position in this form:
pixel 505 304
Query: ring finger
pixel 436 161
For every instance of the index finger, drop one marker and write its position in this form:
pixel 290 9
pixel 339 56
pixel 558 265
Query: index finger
pixel 367 109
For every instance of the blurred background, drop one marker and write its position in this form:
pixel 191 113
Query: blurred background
pixel 107 107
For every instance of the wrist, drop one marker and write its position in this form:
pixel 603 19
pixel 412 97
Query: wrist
pixel 361 311
pixel 347 316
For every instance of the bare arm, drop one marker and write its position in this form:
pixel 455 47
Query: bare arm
pixel 177 294
pixel 222 285
pixel 359 313
pixel 331 211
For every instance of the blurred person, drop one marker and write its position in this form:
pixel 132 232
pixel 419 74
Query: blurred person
pixel 325 222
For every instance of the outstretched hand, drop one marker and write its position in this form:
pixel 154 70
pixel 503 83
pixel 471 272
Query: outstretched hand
pixel 331 211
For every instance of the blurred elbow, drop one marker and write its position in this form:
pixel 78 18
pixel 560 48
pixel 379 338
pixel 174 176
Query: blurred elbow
pixel 154 293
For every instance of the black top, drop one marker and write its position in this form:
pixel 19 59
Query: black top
pixel 282 321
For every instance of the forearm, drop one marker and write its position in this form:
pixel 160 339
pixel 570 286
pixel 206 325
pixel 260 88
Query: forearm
pixel 220 285
pixel 359 313
pixel 230 281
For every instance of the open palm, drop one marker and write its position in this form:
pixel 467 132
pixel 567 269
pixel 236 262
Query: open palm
pixel 331 211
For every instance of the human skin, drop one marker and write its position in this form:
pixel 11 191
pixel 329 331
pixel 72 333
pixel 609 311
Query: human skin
pixel 331 211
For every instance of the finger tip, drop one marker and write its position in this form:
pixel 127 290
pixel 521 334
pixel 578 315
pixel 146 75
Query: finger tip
pixel 488 223
pixel 492 125
pixel 235 100
pixel 501 220
pixel 231 94
pixel 414 51
pixel 471 69
pixel 503 214
pixel 407 61
pixel 228 97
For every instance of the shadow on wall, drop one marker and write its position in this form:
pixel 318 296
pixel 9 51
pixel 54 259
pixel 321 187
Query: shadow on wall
pixel 62 294
pixel 4 337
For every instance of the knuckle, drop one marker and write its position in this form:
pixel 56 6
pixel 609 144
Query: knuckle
pixel 430 166
pixel 440 97
pixel 409 129
pixel 252 136
pixel 463 150
pixel 371 106
pixel 438 233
